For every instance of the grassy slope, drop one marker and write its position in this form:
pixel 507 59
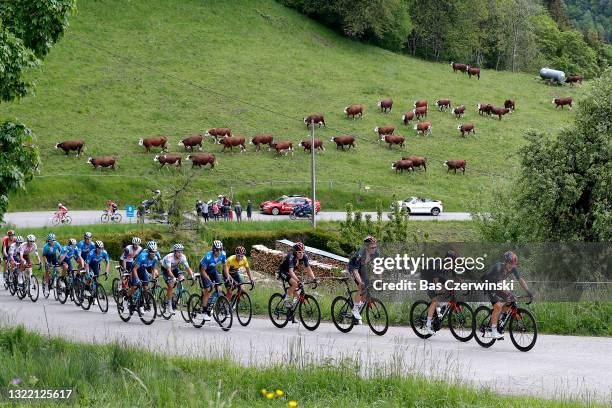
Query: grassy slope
pixel 269 56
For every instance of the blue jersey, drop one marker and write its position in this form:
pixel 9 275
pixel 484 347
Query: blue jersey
pixel 209 261
pixel 94 258
pixel 70 252
pixel 144 262
pixel 51 252
pixel 86 248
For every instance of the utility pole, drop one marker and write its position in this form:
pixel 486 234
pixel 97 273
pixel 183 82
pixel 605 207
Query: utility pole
pixel 313 175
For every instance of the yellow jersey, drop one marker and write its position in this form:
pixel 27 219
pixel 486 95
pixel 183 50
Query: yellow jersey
pixel 234 264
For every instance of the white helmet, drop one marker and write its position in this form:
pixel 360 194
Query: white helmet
pixel 100 244
pixel 136 241
pixel 152 245
pixel 88 235
pixel 217 244
pixel 31 238
pixel 72 242
pixel 178 247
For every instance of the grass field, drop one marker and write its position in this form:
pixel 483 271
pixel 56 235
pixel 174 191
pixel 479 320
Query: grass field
pixel 126 70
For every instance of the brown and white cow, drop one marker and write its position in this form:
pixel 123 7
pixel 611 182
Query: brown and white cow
pixel 231 142
pixel 466 128
pixel 71 145
pixel 443 104
pixel 191 142
pixel 283 147
pixel 407 117
pixel 458 67
pixel 385 104
pixel 262 139
pixel 217 133
pixel 574 79
pixel 420 112
pixel 202 159
pixel 562 102
pixel 102 161
pixel 345 140
pixel 169 159
pixel 384 130
pixel 393 140
pixel 423 128
pixel 484 108
pixel 417 161
pixel 354 110
pixel 318 144
pixel 455 165
pixel 402 165
pixel 499 111
pixel 154 141
pixel 420 103
pixel 459 111
pixel 314 120
pixel 509 103
pixel 473 71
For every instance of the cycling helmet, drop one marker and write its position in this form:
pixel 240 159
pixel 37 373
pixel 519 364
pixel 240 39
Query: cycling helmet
pixel 152 245
pixel 51 237
pixel 19 240
pixel 72 242
pixel 511 258
pixel 87 235
pixel 136 241
pixel 59 205
pixel 10 233
pixel 178 247
pixel 298 247
pixel 31 238
pixel 240 250
pixel 100 244
pixel 217 244
pixel 369 239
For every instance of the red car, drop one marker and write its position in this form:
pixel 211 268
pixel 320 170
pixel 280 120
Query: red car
pixel 284 204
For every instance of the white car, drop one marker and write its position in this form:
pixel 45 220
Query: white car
pixel 416 205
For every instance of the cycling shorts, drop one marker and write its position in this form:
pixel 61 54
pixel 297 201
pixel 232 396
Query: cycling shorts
pixel 235 276
pixel 176 272
pixel 207 282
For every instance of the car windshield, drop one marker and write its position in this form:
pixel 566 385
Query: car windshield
pixel 281 198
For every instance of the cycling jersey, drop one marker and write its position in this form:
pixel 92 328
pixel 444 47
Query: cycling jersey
pixel 86 248
pixel 144 262
pixel 26 249
pixel 130 254
pixel 69 252
pixel 171 262
pixel 291 261
pixel 497 273
pixel 51 252
pixel 12 252
pixel 234 264
pixel 7 242
pixel 209 262
pixel 94 260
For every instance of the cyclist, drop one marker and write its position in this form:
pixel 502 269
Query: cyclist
pixel 51 253
pixel 24 251
pixel 62 211
pixel 68 253
pixel 171 272
pixel 232 270
pixel 7 241
pixel 111 207
pixel 130 253
pixel 92 265
pixel 435 275
pixel 357 267
pixel 209 273
pixel 501 298
pixel 13 253
pixel 145 267
pixel 294 259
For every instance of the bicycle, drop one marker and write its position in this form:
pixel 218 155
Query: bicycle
pixel 28 285
pixel 342 312
pixel 180 298
pixel 96 292
pixel 142 301
pixel 306 306
pixel 69 285
pixel 241 304
pixel 52 284
pixel 522 325
pixel 57 219
pixel 459 315
pixel 115 217
pixel 217 305
pixel 11 280
pixel 119 283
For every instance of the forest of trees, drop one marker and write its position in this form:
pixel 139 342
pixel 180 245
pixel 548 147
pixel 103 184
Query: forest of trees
pixel 591 15
pixel 516 35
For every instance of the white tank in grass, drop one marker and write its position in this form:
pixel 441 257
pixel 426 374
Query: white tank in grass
pixel 552 74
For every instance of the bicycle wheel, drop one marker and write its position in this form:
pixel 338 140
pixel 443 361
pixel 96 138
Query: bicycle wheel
pixel 523 330
pixel 33 288
pixel 104 218
pixel 244 308
pixel 5 280
pixel 181 305
pixel 46 288
pixel 55 221
pixel 222 312
pixel 62 289
pixel 161 305
pixel 102 298
pixel 86 302
pixel 12 283
pixel 123 306
pixel 481 326
pixel 21 287
pixel 460 321
pixel 195 310
pixel 342 315
pixel 77 291
pixel 377 316
pixel 310 312
pixel 117 218
pixel 116 288
pixel 278 312
pixel 68 220
pixel 418 318
pixel 149 308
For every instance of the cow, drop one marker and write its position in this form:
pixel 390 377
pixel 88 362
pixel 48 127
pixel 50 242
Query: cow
pixel 202 159
pixel 471 71
pixel 509 103
pixel 262 139
pixel 574 79
pixel 354 110
pixel 385 104
pixel 70 145
pixel 154 141
pixel 420 103
pixel 420 112
pixel 455 165
pixel 402 165
pixel 562 102
pixel 499 111
pixel 217 133
pixel 163 159
pixel 407 117
pixel 384 130
pixel 102 161
pixel 417 161
pixel 192 141
pixel 484 108
pixel 314 120
pixel 345 140
pixel 443 104
pixel 459 111
pixel 458 67
pixel 231 141
pixel 393 140
pixel 466 128
pixel 318 144
pixel 423 127
pixel 285 146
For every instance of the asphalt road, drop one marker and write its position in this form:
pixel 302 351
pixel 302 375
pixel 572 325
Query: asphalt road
pixel 557 367
pixel 43 218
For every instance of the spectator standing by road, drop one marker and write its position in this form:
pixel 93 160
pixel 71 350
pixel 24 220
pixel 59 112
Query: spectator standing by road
pixel 205 209
pixel 249 210
pixel 238 209
pixel 215 211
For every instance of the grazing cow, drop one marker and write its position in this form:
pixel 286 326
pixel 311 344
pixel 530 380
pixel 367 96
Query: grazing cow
pixel 102 161
pixel 264 138
pixel 455 165
pixel 354 110
pixel 458 67
pixel 385 104
pixel 417 161
pixel 217 133
pixel 471 71
pixel 315 120
pixel 466 128
pixel 443 104
pixel 191 142
pixel 154 141
pixel 384 130
pixel 420 103
pixel 499 111
pixel 402 165
pixel 484 108
pixel 393 140
pixel 70 145
pixel 420 112
pixel 459 111
pixel 306 144
pixel 509 103
pixel 562 102
pixel 283 147
pixel 202 159
pixel 574 79
pixel 168 159
pixel 231 142
pixel 423 127
pixel 407 117
pixel 341 141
